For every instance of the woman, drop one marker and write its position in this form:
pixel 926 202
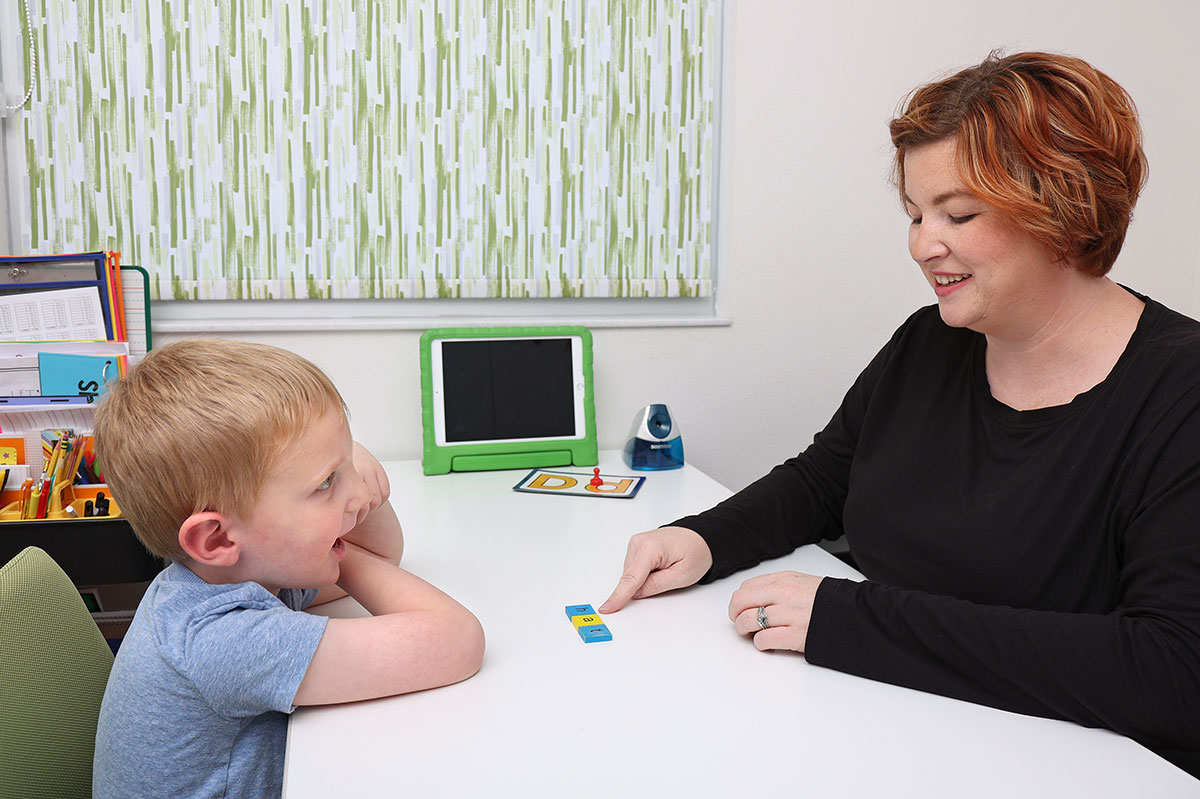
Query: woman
pixel 1017 472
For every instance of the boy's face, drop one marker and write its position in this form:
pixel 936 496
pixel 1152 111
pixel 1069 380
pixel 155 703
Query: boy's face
pixel 292 535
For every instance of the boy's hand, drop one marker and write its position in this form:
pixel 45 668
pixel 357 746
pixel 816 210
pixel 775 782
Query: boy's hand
pixel 376 479
pixel 377 530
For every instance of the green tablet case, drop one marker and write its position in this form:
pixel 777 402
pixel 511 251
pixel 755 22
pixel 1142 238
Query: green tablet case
pixel 509 454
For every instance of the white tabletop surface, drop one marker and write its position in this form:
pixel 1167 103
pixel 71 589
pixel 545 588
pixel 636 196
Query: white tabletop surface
pixel 677 704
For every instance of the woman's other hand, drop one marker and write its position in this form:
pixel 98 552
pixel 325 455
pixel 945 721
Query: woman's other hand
pixel 786 602
pixel 657 561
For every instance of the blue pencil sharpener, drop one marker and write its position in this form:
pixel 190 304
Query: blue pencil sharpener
pixel 654 441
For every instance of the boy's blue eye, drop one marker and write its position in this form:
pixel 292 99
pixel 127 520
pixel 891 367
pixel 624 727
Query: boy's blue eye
pixel 326 484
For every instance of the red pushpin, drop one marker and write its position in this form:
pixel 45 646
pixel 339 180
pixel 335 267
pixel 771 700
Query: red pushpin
pixel 596 481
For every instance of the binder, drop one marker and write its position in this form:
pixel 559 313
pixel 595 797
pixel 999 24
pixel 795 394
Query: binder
pixel 123 293
pixel 27 273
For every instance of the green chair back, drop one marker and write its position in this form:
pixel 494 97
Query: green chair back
pixel 54 664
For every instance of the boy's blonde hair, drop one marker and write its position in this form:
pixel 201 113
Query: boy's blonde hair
pixel 197 425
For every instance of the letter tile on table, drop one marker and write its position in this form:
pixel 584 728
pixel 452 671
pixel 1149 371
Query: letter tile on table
pixel 594 632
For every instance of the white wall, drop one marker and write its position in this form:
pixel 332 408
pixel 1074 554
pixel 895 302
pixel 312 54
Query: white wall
pixel 816 270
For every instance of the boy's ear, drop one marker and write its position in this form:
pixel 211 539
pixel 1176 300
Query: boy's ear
pixel 206 539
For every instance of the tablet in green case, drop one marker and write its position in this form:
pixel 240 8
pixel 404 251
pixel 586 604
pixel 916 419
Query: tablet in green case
pixel 507 398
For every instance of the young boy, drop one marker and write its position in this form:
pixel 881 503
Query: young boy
pixel 235 461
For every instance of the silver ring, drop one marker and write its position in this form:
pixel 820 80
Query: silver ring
pixel 762 618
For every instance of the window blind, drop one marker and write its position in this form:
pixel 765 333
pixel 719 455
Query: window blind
pixel 307 149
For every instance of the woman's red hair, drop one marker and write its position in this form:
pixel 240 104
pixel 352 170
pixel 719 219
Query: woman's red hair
pixel 1047 139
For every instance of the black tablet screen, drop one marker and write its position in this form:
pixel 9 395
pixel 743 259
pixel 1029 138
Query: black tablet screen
pixel 507 389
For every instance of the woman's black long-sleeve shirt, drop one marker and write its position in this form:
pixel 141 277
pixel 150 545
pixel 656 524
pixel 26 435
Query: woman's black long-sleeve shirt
pixel 1045 562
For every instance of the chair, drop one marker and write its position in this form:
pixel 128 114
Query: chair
pixel 54 665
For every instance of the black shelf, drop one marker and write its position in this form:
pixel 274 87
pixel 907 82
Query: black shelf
pixel 92 552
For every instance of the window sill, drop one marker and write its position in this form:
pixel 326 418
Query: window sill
pixel 327 315
pixel 225 325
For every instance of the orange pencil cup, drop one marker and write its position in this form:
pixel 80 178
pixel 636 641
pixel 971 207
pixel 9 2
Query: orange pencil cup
pixel 62 496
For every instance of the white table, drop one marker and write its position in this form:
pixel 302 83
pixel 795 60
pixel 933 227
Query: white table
pixel 677 704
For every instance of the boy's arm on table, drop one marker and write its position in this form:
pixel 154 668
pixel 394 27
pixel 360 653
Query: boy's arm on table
pixel 417 637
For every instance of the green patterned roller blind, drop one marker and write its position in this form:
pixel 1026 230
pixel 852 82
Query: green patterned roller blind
pixel 407 149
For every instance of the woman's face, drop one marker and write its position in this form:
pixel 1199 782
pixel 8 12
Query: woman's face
pixel 988 275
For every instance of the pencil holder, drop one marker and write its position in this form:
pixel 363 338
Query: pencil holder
pixel 62 496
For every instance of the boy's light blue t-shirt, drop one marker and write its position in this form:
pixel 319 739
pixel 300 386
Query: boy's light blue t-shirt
pixel 199 694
